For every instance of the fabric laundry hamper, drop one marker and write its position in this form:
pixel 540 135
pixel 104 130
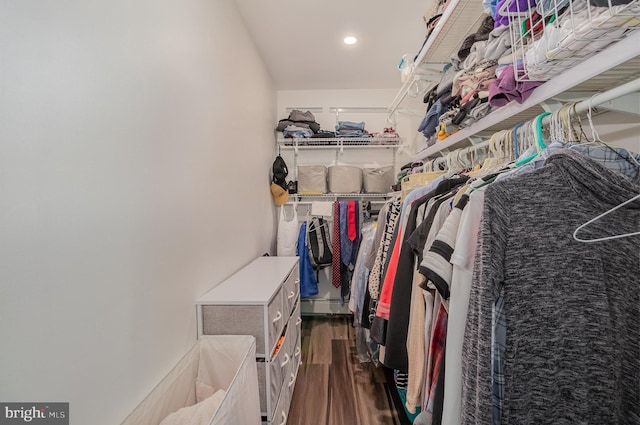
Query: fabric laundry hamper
pixel 312 179
pixel 378 180
pixel 215 383
pixel 345 179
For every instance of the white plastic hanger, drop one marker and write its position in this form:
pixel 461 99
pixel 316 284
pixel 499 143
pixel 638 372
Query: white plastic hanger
pixel 597 140
pixel 607 238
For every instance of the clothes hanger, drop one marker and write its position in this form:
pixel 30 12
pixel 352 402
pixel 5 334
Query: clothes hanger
pixel 607 238
pixel 556 129
pixel 569 132
pixel 539 142
pixel 515 140
pixel 597 140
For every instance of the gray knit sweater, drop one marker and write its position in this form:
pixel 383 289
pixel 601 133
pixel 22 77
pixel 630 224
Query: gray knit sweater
pixel 572 309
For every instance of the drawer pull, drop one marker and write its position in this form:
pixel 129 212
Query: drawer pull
pixel 293 380
pixel 278 317
pixel 286 360
pixel 284 418
pixel 291 295
pixel 297 281
pixel 297 353
pixel 298 321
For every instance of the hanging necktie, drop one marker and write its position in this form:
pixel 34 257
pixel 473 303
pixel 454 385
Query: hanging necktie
pixel 335 261
pixel 352 229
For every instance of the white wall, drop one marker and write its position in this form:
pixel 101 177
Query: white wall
pixel 375 122
pixel 374 98
pixel 134 141
pixel 617 129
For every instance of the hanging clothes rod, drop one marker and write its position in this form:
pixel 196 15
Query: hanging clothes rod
pixel 599 99
pixel 581 107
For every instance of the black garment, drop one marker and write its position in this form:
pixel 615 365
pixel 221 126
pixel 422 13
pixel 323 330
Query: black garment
pixel 418 238
pixel 312 125
pixel 396 342
pixel 378 330
pixel 364 318
pixel 324 134
pixel 280 171
pixel 438 400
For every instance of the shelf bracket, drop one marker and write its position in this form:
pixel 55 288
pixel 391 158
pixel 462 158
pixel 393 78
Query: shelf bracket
pixel 474 140
pixel 550 105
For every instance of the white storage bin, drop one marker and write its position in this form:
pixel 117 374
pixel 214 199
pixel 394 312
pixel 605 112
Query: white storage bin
pixel 378 180
pixel 220 362
pixel 345 179
pixel 312 179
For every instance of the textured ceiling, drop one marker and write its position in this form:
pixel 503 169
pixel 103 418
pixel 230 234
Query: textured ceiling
pixel 301 41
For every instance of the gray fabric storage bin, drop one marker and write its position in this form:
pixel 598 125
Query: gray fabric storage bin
pixel 345 179
pixel 378 180
pixel 312 179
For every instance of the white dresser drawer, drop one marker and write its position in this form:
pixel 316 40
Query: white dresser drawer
pixel 235 320
pixel 291 288
pixel 279 368
pixel 297 352
pixel 281 411
pixel 293 329
pixel 277 316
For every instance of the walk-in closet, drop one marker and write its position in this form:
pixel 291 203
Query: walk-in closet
pixel 248 212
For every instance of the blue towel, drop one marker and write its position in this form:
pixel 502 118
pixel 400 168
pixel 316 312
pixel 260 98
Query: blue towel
pixel 308 282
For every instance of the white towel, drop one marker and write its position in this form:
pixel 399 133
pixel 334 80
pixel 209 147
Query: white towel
pixel 322 208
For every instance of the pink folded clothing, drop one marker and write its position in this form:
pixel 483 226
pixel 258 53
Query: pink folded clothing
pixel 505 88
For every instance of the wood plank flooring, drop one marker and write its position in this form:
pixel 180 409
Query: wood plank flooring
pixel 333 387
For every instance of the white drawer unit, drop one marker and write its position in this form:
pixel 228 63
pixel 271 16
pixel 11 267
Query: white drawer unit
pixel 263 300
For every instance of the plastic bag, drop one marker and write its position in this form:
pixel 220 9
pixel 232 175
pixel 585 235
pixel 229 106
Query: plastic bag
pixel 287 234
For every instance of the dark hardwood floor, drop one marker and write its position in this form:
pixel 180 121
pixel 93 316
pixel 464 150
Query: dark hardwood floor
pixel 333 387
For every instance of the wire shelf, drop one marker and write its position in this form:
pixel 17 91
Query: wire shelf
pixel 382 142
pixel 557 35
pixel 342 195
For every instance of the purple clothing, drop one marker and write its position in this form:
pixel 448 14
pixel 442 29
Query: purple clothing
pixel 514 6
pixel 505 88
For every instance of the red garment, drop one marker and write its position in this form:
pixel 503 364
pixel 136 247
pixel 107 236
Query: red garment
pixel 335 260
pixel 384 304
pixel 352 226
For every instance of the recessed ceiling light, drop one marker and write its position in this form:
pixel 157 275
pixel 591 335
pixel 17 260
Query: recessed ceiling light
pixel 350 40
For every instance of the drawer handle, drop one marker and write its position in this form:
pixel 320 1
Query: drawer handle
pixel 278 317
pixel 297 280
pixel 297 353
pixel 291 295
pixel 286 360
pixel 299 321
pixel 293 380
pixel 284 418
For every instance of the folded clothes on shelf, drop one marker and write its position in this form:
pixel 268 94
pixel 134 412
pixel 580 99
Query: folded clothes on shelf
pixel 349 125
pixel 480 35
pixel 299 119
pixel 429 124
pixel 313 126
pixel 351 129
pixel 513 6
pixel 292 131
pixel 505 89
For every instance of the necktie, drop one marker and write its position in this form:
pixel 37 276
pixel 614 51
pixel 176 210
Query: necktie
pixel 352 225
pixel 335 261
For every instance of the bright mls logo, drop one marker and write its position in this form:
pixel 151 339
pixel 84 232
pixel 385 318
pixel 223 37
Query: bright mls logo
pixel 34 413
